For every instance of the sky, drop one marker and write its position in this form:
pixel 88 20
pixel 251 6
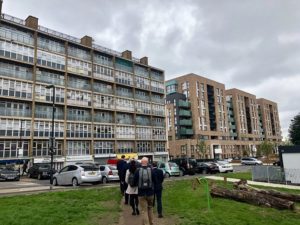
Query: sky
pixel 252 45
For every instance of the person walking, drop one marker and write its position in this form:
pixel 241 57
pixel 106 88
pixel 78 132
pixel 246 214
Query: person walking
pixel 143 179
pixel 132 190
pixel 158 179
pixel 122 167
pixel 24 168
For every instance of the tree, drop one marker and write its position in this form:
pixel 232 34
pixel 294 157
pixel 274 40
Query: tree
pixel 201 148
pixel 294 130
pixel 266 148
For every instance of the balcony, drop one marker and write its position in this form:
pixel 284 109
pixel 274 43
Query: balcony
pixel 185 113
pixel 186 132
pixel 101 119
pixel 185 123
pixel 184 104
pixel 15 113
pixel 158 100
pixel 124 93
pixel 142 97
pixel 103 90
pixel 79 85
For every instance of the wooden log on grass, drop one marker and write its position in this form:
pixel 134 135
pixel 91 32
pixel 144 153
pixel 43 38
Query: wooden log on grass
pixel 241 185
pixel 254 198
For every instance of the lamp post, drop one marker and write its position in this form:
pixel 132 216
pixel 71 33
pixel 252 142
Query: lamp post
pixel 51 141
pixel 20 147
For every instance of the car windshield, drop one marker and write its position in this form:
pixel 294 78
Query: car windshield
pixel 89 167
pixel 173 165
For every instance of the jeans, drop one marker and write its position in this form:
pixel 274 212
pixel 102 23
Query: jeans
pixel 146 203
pixel 134 202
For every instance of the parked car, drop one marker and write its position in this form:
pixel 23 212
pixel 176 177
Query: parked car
pixel 169 169
pixel 77 174
pixel 277 163
pixel 40 171
pixel 224 167
pixel 9 173
pixel 108 173
pixel 207 167
pixel 186 165
pixel 250 161
pixel 228 160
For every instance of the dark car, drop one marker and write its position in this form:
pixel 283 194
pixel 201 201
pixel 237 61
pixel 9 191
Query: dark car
pixel 9 173
pixel 40 171
pixel 186 165
pixel 207 167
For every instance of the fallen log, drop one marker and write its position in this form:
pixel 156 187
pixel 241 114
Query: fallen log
pixel 242 185
pixel 252 198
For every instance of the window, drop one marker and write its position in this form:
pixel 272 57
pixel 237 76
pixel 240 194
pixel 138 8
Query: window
pixel 159 134
pixel 51 60
pixel 104 131
pixel 78 114
pixel 158 110
pixel 78 130
pixel 124 78
pixel 103 59
pixel 17 35
pixel 8 148
pixel 78 148
pixel 143 107
pixel 78 98
pixel 141 71
pixel 143 146
pixel 104 147
pixel 157 75
pixel 79 53
pixel 12 70
pixel 50 77
pixel 141 82
pixel 12 127
pixel 143 133
pixel 50 45
pixel 16 109
pixel 41 148
pixel 44 94
pixel 104 101
pixel 44 128
pixel 79 67
pixel 13 88
pixel 124 104
pixel 125 146
pixel 159 146
pixel 103 73
pixel 127 132
pixel 157 86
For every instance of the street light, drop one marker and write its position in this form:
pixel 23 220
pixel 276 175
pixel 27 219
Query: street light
pixel 51 141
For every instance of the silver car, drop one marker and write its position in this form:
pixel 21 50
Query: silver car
pixel 108 173
pixel 250 161
pixel 77 174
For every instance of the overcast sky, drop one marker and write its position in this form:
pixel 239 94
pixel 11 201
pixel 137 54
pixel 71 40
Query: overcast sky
pixel 251 45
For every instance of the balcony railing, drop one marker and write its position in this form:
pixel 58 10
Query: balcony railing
pixel 47 115
pixel 185 123
pixel 79 85
pixel 124 94
pixel 184 104
pixel 185 113
pixel 101 119
pixel 184 131
pixel 15 113
pixel 78 118
pixel 143 122
pixel 101 89
pixel 158 100
pixel 142 97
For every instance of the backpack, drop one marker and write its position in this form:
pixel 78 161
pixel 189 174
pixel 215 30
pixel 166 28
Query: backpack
pixel 131 179
pixel 145 178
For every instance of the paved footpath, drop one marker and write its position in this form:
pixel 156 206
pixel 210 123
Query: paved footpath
pixel 256 183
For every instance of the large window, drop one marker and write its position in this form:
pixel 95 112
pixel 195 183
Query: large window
pixel 158 122
pixel 159 146
pixel 142 95
pixel 45 111
pixel 126 132
pixel 78 114
pixel 158 110
pixel 103 88
pixel 124 118
pixel 44 129
pixel 103 117
pixel 41 148
pixel 79 98
pixel 103 147
pixel 157 75
pixel 14 128
pixel 16 51
pixel 141 71
pixel 143 120
pixel 79 67
pixel 79 53
pixel 50 45
pixel 143 146
pixel 78 83
pixel 103 59
pixel 12 70
pixel 124 78
pixel 124 104
pixel 104 101
pixel 44 94
pixel 143 107
pixel 157 86
pixel 143 133
pixel 78 130
pixel 125 92
pixel 143 83
pixel 78 148
pixel 17 35
pixel 159 134
pixel 13 88
pixel 124 65
pixel 17 109
pixel 125 146
pixel 103 73
pixel 50 77
pixel 103 131
pixel 9 148
pixel 51 60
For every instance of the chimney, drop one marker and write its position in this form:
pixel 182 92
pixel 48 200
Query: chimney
pixel 87 41
pixel 32 22
pixel 144 60
pixel 127 54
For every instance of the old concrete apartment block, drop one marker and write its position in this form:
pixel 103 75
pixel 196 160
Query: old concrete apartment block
pixel 230 123
pixel 107 102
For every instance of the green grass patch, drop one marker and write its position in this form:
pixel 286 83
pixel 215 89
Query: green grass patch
pixel 240 175
pixel 190 207
pixel 76 207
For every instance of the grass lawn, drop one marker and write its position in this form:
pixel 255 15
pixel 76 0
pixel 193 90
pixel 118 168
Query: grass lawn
pixel 190 207
pixel 240 175
pixel 76 207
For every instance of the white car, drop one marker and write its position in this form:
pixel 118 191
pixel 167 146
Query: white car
pixel 109 173
pixel 250 161
pixel 224 167
pixel 77 174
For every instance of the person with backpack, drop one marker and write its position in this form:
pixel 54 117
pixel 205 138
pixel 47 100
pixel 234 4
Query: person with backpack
pixel 158 179
pixel 143 178
pixel 122 167
pixel 132 190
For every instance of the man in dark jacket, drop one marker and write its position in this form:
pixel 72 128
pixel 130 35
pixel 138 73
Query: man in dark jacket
pixel 158 179
pixel 143 178
pixel 122 167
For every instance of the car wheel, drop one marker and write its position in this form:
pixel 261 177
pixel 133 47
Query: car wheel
pixel 74 182
pixel 104 180
pixel 167 175
pixel 39 176
pixel 55 182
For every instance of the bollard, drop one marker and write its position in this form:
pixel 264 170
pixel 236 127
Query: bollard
pixel 225 180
